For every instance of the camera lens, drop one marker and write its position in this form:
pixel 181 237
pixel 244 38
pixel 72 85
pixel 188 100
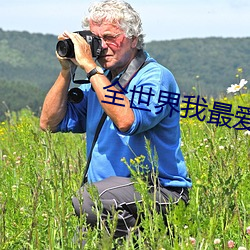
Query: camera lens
pixel 65 48
pixel 75 95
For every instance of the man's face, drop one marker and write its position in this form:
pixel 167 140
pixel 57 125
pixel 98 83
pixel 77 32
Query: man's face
pixel 118 50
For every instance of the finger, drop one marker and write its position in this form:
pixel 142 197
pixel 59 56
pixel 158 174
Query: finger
pixel 59 57
pixel 63 36
pixel 66 33
pixel 69 60
pixel 75 37
pixel 69 34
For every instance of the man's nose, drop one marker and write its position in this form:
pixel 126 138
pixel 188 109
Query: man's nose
pixel 104 44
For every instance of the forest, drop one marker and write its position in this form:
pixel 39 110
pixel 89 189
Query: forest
pixel 201 66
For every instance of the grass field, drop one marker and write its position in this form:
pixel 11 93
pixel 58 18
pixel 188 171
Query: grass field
pixel 40 172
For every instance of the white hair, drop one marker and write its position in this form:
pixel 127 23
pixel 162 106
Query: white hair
pixel 120 13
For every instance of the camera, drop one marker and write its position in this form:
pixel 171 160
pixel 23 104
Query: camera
pixel 65 48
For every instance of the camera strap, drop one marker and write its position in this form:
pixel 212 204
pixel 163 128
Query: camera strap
pixel 136 64
pixel 97 132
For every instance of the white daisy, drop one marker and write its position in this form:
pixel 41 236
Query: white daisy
pixel 247 133
pixel 236 87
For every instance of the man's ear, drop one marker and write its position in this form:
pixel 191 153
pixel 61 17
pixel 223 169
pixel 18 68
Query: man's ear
pixel 134 42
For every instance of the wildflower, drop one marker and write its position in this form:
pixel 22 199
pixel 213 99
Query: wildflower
pixel 242 248
pixel 45 216
pixel 237 87
pixel 198 182
pixel 14 188
pixel 192 240
pixel 137 159
pixel 247 133
pixel 230 244
pixel 240 70
pixel 248 230
pixel 132 162
pixel 216 241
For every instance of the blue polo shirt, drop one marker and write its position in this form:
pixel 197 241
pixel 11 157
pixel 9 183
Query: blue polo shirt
pixel 153 94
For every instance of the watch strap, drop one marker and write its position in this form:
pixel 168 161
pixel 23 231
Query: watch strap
pixel 93 72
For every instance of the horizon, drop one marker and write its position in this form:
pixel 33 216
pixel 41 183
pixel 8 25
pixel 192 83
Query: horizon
pixel 177 19
pixel 173 39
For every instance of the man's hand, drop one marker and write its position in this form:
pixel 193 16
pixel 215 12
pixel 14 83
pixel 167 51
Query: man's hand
pixel 83 54
pixel 66 63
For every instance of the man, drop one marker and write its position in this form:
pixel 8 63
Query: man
pixel 140 98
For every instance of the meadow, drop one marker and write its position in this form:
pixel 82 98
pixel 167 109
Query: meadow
pixel 40 172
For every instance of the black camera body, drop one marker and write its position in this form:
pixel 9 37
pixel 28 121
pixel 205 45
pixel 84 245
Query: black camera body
pixel 65 48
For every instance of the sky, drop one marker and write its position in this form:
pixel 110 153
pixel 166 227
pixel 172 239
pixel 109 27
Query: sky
pixel 162 19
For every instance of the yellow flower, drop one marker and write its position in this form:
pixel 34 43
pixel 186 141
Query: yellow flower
pixel 138 160
pixel 132 162
pixel 240 70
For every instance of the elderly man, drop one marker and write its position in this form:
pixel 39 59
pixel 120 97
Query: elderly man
pixel 140 99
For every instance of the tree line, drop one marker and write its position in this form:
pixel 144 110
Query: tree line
pixel 28 66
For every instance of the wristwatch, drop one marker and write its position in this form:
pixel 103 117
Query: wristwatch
pixel 96 70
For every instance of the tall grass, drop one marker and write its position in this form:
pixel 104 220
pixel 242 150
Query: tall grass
pixel 40 172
